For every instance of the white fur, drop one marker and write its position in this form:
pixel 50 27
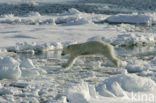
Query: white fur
pixel 90 48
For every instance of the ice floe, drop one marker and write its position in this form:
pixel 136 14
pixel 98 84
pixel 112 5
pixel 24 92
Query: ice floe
pixel 24 47
pixel 127 39
pixel 70 17
pixel 148 19
pixel 9 68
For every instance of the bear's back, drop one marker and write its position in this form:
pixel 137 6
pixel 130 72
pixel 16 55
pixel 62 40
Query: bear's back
pixel 96 43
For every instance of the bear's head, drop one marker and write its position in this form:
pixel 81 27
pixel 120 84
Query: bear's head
pixel 67 50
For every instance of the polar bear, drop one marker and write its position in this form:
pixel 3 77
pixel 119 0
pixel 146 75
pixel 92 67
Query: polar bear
pixel 90 48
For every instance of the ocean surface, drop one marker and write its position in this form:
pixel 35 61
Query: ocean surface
pixel 49 7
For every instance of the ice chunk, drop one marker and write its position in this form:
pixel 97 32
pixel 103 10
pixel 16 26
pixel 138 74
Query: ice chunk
pixel 147 73
pixel 62 99
pixel 154 61
pixel 9 91
pixel 25 47
pixel 101 38
pixel 105 92
pixel 79 62
pixel 9 68
pixel 130 18
pixel 33 18
pixel 116 89
pixel 1 86
pixel 107 64
pixel 137 66
pixel 123 63
pixel 93 64
pixel 34 14
pixel 30 72
pixel 5 91
pixel 19 84
pixel 57 45
pixel 128 82
pixel 131 39
pixel 64 20
pixel 27 63
pixel 79 93
pixel 73 11
pixel 3 50
pixel 44 47
pixel 92 91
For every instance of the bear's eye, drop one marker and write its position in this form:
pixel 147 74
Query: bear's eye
pixel 68 47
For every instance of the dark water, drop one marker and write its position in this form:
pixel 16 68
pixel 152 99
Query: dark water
pixel 142 52
pixel 88 6
pixel 131 4
pixel 48 9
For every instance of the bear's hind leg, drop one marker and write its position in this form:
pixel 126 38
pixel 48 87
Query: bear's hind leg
pixel 112 57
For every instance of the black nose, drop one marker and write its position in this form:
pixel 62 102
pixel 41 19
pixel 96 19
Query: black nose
pixel 62 54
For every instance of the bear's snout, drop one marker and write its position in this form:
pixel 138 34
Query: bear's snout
pixel 62 53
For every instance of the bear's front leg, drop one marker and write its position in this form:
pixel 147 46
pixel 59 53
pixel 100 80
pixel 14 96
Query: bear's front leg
pixel 70 61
